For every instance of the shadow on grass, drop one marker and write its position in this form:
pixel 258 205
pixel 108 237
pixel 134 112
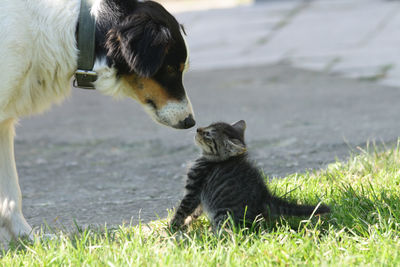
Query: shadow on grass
pixel 359 212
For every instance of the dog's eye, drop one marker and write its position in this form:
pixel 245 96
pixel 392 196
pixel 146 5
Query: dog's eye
pixel 171 69
pixel 151 103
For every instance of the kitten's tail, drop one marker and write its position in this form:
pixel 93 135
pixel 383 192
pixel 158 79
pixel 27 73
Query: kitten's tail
pixel 277 206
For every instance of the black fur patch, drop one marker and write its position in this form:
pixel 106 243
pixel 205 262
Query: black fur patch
pixel 142 38
pixel 141 42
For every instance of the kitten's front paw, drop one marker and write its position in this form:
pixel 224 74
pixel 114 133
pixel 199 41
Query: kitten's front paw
pixel 176 223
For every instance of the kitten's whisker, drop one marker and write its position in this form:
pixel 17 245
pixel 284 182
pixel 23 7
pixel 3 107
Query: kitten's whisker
pixel 191 132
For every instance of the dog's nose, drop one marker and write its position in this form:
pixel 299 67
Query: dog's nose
pixel 188 122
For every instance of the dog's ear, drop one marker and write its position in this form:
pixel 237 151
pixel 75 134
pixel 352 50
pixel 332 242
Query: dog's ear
pixel 142 42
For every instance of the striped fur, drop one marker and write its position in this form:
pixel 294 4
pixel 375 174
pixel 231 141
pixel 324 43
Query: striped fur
pixel 224 182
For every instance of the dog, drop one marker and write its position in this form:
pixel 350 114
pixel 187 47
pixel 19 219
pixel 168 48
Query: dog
pixel 140 52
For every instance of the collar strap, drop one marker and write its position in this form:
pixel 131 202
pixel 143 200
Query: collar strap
pixel 85 76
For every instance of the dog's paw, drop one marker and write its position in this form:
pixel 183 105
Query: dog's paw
pixel 20 228
pixel 13 227
pixel 5 238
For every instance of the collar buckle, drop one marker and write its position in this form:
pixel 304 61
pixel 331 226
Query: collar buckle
pixel 84 79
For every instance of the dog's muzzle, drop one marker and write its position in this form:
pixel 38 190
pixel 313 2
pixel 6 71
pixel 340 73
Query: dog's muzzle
pixel 187 123
pixel 178 115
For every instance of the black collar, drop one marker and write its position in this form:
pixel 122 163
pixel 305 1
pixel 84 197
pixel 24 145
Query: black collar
pixel 84 75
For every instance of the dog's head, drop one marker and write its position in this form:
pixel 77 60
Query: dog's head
pixel 146 56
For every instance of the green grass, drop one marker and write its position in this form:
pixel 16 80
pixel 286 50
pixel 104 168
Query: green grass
pixel 363 229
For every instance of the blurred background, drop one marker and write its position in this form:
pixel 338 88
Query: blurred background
pixel 176 6
pixel 314 80
pixel 355 38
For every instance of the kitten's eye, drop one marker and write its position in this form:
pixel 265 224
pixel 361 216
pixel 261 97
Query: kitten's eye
pixel 207 135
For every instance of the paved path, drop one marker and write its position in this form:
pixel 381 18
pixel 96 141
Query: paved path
pixel 101 161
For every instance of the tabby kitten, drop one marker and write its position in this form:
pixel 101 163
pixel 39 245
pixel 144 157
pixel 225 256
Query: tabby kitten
pixel 225 183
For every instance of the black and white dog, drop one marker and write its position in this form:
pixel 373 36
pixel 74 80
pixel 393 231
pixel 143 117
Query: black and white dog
pixel 140 52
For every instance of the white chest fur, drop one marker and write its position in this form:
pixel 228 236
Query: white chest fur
pixel 38 54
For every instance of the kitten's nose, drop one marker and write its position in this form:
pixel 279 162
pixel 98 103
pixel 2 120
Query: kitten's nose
pixel 200 130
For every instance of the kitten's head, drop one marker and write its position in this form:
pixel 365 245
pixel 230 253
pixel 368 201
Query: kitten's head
pixel 220 141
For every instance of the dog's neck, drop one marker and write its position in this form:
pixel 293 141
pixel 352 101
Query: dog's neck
pixel 85 36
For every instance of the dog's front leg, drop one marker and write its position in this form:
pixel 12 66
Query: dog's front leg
pixel 12 222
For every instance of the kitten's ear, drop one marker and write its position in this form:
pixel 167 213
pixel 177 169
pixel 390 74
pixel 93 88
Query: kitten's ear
pixel 240 126
pixel 235 147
